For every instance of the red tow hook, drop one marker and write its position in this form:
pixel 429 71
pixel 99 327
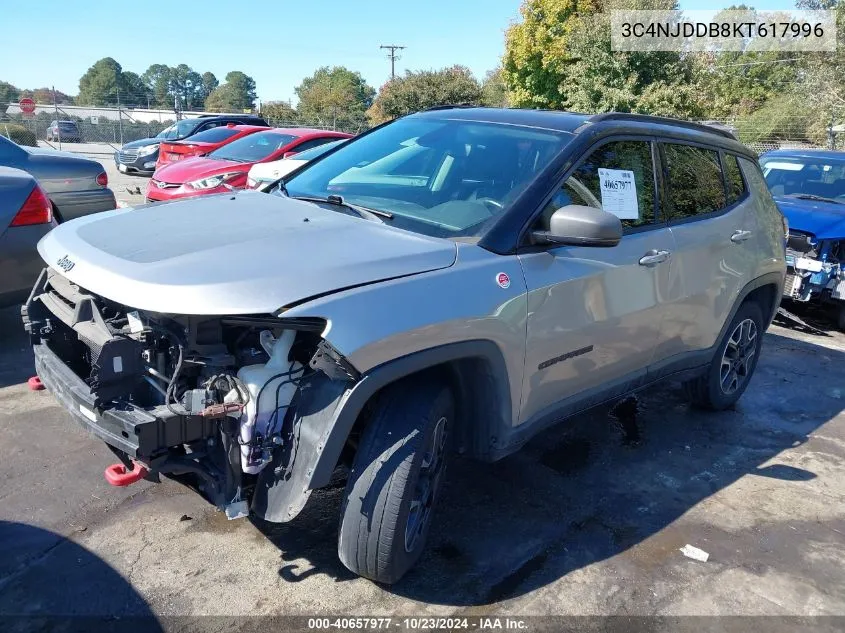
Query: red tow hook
pixel 117 475
pixel 35 384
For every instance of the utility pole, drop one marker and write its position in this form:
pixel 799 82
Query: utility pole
pixel 392 56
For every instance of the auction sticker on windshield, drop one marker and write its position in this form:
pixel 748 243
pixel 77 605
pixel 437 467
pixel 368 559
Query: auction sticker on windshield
pixel 619 193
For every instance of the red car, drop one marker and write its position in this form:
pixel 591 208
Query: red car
pixel 204 142
pixel 227 167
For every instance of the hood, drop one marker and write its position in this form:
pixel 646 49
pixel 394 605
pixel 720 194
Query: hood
pixel 142 143
pixel 196 168
pixel 825 220
pixel 243 253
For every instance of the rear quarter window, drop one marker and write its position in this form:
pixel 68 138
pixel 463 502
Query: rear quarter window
pixel 733 178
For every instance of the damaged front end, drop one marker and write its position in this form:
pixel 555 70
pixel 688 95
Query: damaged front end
pixel 238 407
pixel 814 268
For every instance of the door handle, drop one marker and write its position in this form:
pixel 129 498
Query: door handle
pixel 653 257
pixel 740 236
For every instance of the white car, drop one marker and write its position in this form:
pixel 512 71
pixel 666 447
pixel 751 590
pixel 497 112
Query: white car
pixel 262 174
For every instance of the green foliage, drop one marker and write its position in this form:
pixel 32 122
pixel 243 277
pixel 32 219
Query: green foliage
pixel 424 89
pixel 559 57
pixel 279 112
pixel 494 91
pixel 236 95
pixel 99 84
pixel 19 134
pixel 157 80
pixel 8 92
pixel 335 96
pixel 208 84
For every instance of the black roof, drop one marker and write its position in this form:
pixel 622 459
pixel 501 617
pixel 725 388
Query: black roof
pixel 549 119
pixel 594 124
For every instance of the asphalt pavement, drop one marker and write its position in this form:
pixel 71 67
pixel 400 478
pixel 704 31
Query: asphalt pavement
pixel 589 519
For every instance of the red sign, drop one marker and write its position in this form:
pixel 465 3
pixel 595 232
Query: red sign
pixel 27 105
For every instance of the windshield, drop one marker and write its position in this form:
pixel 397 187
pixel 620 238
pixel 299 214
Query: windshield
pixel 437 177
pixel 179 130
pixel 808 176
pixel 252 148
pixel 214 135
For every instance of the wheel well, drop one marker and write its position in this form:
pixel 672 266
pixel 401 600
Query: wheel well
pixel 766 297
pixel 474 385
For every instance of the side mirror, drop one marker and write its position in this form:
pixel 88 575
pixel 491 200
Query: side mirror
pixel 289 154
pixel 577 225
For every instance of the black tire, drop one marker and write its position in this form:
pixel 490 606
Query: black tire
pixel 377 539
pixel 840 318
pixel 719 389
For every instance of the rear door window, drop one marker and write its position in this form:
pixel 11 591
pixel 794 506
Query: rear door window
pixel 733 178
pixel 693 181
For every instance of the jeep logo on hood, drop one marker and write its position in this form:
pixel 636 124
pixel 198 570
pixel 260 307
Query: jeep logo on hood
pixel 65 264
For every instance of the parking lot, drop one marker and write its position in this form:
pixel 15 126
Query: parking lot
pixel 588 519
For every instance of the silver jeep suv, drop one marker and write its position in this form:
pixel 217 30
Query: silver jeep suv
pixel 455 280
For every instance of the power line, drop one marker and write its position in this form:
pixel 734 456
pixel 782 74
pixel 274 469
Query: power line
pixel 392 56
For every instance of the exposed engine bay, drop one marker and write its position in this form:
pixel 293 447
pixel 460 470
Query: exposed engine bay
pixel 206 400
pixel 815 268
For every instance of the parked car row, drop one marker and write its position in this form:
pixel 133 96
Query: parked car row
pixel 140 157
pixel 455 280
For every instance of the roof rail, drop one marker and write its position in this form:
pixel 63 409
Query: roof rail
pixel 648 118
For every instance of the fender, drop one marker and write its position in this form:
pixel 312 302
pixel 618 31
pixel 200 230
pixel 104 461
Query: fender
pixel 327 409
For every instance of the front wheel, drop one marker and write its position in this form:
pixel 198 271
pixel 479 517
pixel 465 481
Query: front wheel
pixel 733 364
pixel 395 478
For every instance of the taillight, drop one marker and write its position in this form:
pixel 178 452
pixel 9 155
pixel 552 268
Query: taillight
pixel 103 179
pixel 36 210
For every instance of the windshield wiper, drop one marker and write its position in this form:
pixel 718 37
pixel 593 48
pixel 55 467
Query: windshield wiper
pixel 810 196
pixel 338 201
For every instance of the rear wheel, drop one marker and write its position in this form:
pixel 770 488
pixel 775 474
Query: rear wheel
pixel 395 479
pixel 733 364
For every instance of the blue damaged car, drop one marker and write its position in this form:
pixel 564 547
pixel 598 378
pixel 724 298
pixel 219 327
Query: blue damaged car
pixel 809 188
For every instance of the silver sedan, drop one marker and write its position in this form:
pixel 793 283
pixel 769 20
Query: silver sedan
pixel 76 186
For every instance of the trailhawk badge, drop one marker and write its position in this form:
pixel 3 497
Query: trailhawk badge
pixel 65 264
pixel 503 280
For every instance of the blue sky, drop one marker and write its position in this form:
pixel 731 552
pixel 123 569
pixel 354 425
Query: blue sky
pixel 277 43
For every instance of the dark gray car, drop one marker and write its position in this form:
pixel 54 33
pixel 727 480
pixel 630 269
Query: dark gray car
pixel 25 217
pixel 76 186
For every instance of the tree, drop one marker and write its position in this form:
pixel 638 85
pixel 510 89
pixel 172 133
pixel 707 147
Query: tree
pixel 424 89
pixel 133 90
pixel 494 92
pixel 99 84
pixel 559 56
pixel 186 85
pixel 822 87
pixel 279 112
pixel 333 95
pixel 8 92
pixel 157 79
pixel 46 95
pixel 237 94
pixel 209 83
